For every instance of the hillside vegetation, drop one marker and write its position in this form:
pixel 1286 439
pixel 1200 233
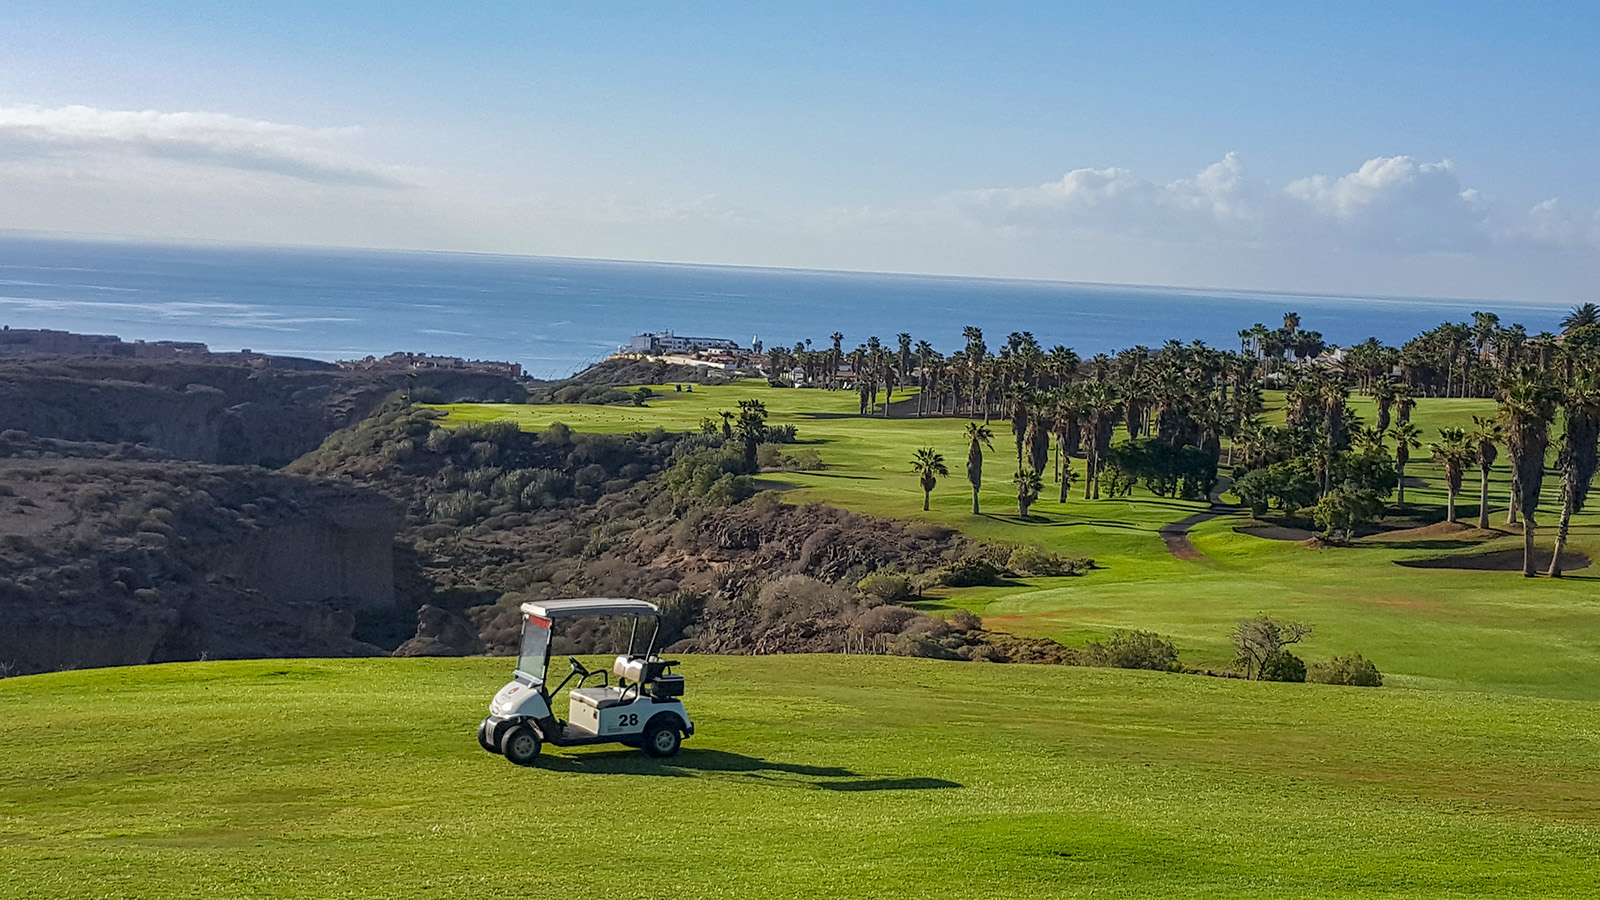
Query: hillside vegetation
pixel 1427 627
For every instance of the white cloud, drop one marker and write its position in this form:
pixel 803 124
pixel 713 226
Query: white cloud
pixel 1393 205
pixel 83 142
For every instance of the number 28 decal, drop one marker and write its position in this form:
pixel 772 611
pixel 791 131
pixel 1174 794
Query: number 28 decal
pixel 628 720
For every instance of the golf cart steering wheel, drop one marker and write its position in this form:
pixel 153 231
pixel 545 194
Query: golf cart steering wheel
pixel 578 667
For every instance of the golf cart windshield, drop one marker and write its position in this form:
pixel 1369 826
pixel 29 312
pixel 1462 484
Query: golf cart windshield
pixel 534 657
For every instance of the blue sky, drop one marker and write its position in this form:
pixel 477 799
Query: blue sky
pixel 1435 149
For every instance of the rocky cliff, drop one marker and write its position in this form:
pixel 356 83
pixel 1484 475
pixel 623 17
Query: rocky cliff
pixel 259 411
pixel 115 562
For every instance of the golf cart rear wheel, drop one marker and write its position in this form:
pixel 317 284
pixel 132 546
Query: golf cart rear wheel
pixel 485 739
pixel 521 745
pixel 661 738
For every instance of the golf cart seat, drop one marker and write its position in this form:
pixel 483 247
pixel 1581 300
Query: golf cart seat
pixel 602 697
pixel 641 669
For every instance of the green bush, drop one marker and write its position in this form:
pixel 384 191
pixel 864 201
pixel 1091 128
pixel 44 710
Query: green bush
pixel 1354 670
pixel 1132 650
pixel 969 572
pixel 1036 560
pixel 890 587
pixel 1283 666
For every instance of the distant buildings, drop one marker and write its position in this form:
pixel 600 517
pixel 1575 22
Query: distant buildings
pixel 414 362
pixel 23 342
pixel 667 342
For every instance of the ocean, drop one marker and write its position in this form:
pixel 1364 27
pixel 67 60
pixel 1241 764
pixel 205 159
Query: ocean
pixel 557 315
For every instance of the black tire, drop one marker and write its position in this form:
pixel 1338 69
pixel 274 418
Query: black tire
pixel 521 745
pixel 485 739
pixel 662 737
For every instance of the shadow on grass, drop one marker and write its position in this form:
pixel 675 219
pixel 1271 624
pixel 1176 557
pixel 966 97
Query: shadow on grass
pixel 720 763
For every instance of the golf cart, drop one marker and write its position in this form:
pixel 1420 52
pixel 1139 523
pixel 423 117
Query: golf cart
pixel 642 709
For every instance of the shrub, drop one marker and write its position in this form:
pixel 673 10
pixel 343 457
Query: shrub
pixel 922 645
pixel 965 620
pixel 1133 650
pixel 882 620
pixel 889 587
pixel 1283 666
pixel 1354 670
pixel 1036 560
pixel 969 572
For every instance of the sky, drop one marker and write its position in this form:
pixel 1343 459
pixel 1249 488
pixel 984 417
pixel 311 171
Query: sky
pixel 1425 149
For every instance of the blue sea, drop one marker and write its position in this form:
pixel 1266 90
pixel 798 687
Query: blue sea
pixel 556 315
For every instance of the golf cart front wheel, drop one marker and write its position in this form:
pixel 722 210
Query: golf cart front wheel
pixel 661 738
pixel 521 745
pixel 485 738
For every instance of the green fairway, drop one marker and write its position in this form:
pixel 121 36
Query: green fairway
pixel 810 777
pixel 1478 630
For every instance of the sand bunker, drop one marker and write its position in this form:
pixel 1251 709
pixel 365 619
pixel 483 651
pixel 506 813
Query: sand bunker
pixel 1508 560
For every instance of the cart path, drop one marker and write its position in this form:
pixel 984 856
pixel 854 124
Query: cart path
pixel 1176 534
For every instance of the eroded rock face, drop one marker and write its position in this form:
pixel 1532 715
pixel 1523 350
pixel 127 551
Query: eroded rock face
pixel 116 562
pixel 266 413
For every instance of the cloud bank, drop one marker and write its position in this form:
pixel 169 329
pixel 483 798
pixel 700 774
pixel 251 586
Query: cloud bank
pixel 122 145
pixel 1392 204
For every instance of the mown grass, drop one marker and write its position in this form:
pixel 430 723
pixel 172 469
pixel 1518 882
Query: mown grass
pixel 809 777
pixel 1474 630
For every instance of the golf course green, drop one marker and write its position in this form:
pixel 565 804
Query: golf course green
pixel 810 776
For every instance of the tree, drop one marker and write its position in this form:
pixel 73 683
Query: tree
pixel 1345 508
pixel 1455 451
pixel 1527 404
pixel 978 437
pixel 1580 406
pixel 1406 439
pixel 751 428
pixel 928 464
pixel 1029 484
pixel 1486 432
pixel 1586 314
pixel 1259 639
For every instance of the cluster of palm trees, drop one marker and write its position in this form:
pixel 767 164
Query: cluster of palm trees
pixel 1197 396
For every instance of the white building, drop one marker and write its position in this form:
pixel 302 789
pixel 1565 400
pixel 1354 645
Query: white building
pixel 667 342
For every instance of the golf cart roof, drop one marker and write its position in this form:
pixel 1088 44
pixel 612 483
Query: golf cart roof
pixel 589 606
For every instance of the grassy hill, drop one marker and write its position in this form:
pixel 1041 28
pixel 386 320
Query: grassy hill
pixel 811 777
pixel 1464 629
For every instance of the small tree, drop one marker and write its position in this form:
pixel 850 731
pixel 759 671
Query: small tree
pixel 751 427
pixel 1345 509
pixel 978 437
pixel 1456 452
pixel 1259 639
pixel 1029 485
pixel 928 465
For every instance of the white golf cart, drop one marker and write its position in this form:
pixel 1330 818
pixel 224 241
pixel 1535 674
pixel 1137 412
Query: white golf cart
pixel 641 710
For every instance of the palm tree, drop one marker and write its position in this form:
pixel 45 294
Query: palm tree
pixel 1486 432
pixel 751 427
pixel 928 464
pixel 1587 314
pixel 1406 439
pixel 1029 484
pixel 727 423
pixel 978 437
pixel 1580 405
pixel 1455 451
pixel 1527 403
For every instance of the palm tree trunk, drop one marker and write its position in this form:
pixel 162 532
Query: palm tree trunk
pixel 1511 511
pixel 1527 546
pixel 1561 534
pixel 1483 500
pixel 1450 507
pixel 1400 485
pixel 974 499
pixel 925 496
